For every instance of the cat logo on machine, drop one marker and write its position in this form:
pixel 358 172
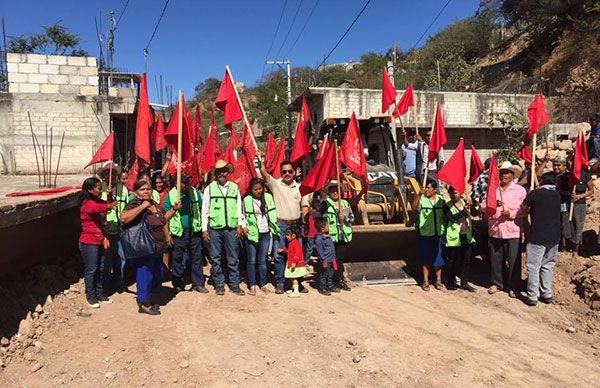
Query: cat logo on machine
pixel 375 176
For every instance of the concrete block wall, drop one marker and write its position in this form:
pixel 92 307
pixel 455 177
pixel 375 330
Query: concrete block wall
pixel 52 74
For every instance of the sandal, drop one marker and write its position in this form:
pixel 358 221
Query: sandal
pixel 252 290
pixel 439 286
pixel 425 287
pixel 265 289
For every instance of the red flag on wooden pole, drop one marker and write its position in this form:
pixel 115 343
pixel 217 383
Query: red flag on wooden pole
pixel 233 137
pixel 271 147
pixel 537 115
pixel 227 101
pixel 211 151
pixel 406 101
pixel 105 151
pixel 273 166
pixel 491 202
pixel 438 135
pixel 300 148
pixel 580 160
pixel 388 92
pixel 322 172
pixel 172 132
pixel 454 171
pixel 197 125
pixel 352 154
pixel 476 167
pixel 229 155
pixel 323 147
pixel 525 153
pixel 159 133
pixel 143 123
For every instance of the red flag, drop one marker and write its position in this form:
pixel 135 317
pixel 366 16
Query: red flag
pixel 388 92
pixel 190 168
pixel 134 172
pixel 580 160
pixel 352 154
pixel 438 135
pixel 247 144
pixel 305 111
pixel 537 115
pixel 491 203
pixel 105 151
pixel 143 123
pixel 211 151
pixel 159 134
pixel 525 153
pixel 476 167
pixel 233 138
pixel 321 173
pixel 271 147
pixel 323 147
pixel 229 155
pixel 197 125
pixel 300 148
pixel 227 100
pixel 454 171
pixel 213 124
pixel 273 167
pixel 187 151
pixel 243 172
pixel 406 101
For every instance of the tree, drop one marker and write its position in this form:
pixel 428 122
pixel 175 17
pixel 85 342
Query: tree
pixel 207 89
pixel 53 40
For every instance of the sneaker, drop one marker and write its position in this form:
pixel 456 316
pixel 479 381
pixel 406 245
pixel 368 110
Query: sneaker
pixel 335 289
pixel 93 304
pixel 252 290
pixel 177 289
pixel 468 287
pixel 530 302
pixel 104 299
pixel 200 289
pixel 546 299
pixel 238 291
pixel 149 311
pixel 451 287
pixel 324 292
pixel 220 290
pixel 344 286
pixel 265 289
pixel 279 290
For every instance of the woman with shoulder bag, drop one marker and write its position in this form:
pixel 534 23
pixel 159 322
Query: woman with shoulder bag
pixel 144 251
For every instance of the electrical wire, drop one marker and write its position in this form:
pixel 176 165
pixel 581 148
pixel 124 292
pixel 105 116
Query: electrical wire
pixel 303 27
pixel 343 36
pixel 290 29
pixel 121 14
pixel 431 24
pixel 157 24
pixel 273 40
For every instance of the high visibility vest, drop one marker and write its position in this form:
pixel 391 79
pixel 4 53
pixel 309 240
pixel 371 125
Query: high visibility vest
pixel 452 237
pixel 332 218
pixel 431 216
pixel 112 215
pixel 251 217
pixel 222 211
pixel 175 227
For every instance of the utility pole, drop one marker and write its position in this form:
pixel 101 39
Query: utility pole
pixel 438 74
pixel 390 70
pixel 111 45
pixel 289 97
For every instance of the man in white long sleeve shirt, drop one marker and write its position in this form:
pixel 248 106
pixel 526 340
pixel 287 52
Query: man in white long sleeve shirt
pixel 423 157
pixel 223 224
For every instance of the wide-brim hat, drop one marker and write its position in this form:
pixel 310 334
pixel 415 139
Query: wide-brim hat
pixel 222 164
pixel 514 168
pixel 331 184
pixel 116 169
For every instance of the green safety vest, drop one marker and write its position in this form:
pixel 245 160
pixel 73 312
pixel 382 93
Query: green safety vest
pixel 431 216
pixel 251 217
pixel 175 227
pixel 112 215
pixel 222 210
pixel 453 229
pixel 332 218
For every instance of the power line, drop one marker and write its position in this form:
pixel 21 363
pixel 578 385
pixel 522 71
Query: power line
pixel 290 29
pixel 121 14
pixel 157 24
pixel 431 24
pixel 274 36
pixel 343 35
pixel 303 27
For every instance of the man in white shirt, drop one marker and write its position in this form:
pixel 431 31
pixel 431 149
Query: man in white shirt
pixel 423 157
pixel 223 224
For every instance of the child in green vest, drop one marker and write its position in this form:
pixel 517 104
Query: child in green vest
pixel 458 240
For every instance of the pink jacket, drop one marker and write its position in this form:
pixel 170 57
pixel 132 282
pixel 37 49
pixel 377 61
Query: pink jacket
pixel 508 227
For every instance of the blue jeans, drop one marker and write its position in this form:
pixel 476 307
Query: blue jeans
pixel 143 277
pixel 93 266
pixel 258 252
pixel 156 268
pixel 325 276
pixel 224 240
pixel 309 244
pixel 596 148
pixel 280 258
pixel 192 244
pixel 115 264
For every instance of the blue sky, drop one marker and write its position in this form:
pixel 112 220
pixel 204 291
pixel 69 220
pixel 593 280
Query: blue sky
pixel 196 39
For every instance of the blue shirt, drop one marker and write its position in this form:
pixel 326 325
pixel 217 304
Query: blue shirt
pixel 410 161
pixel 325 248
pixel 596 130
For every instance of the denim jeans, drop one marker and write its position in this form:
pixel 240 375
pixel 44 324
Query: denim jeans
pixel 224 240
pixel 280 258
pixel 93 266
pixel 257 252
pixel 156 268
pixel 309 244
pixel 540 267
pixel 340 256
pixel 596 149
pixel 115 264
pixel 143 277
pixel 192 244
pixel 325 276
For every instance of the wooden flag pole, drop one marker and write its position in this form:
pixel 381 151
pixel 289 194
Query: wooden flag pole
pixel 399 117
pixel 323 147
pixel 337 176
pixel 427 161
pixel 574 186
pixel 532 181
pixel 416 119
pixel 179 143
pixel 241 107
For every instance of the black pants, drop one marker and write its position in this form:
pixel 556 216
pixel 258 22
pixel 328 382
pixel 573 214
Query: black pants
pixel 503 256
pixel 458 261
pixel 326 275
pixel 340 255
pixel 192 243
